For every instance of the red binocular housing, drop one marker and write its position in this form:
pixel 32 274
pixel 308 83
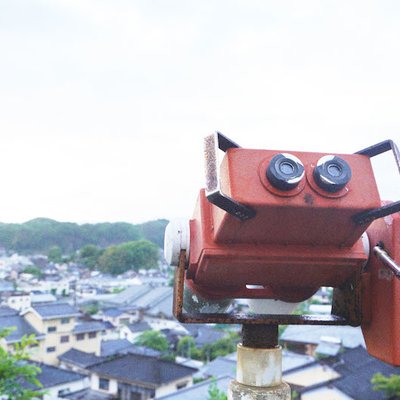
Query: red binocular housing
pixel 278 225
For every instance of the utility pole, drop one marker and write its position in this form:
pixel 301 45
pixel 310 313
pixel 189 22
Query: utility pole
pixel 259 366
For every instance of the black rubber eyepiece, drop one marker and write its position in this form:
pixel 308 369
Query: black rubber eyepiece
pixel 332 173
pixel 285 171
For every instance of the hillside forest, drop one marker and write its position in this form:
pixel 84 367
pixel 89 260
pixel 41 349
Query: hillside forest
pixel 109 247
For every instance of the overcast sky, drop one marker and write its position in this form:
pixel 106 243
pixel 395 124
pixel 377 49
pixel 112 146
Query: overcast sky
pixel 104 104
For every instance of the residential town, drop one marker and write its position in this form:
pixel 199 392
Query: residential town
pixel 88 330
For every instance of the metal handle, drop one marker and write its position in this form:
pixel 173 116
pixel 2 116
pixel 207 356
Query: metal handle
pixel 372 151
pixel 213 185
pixel 387 260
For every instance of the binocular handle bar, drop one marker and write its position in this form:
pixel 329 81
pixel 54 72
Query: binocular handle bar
pixel 388 209
pixel 387 260
pixel 213 184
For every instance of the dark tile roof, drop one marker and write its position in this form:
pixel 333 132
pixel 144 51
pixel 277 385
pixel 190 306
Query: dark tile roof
pixel 139 327
pixel 57 310
pixel 7 311
pixel 80 358
pixel 113 312
pixel 144 369
pixel 219 367
pixel 111 347
pixel 292 361
pixel 193 329
pixel 162 306
pixel 22 327
pixel 123 346
pixel 53 376
pixel 108 325
pixel 327 349
pixel 357 368
pixel 88 394
pixel 143 350
pixel 92 326
pixel 6 286
pixel 207 335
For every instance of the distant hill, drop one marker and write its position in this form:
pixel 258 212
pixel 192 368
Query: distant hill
pixel 40 234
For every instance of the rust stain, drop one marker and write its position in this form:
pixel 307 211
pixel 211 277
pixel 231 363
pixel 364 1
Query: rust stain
pixel 241 318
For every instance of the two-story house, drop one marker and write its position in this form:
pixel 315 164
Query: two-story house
pixel 62 331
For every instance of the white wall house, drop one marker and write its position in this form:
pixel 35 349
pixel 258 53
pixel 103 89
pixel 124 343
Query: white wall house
pixel 19 301
pixel 139 377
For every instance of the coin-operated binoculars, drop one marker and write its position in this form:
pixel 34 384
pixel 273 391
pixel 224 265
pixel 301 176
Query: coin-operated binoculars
pixel 275 226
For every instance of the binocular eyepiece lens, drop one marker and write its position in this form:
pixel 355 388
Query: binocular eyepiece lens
pixel 285 171
pixel 332 173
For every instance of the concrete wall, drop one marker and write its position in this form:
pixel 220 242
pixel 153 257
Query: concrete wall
pixel 123 319
pixel 173 386
pixel 94 384
pixel 89 345
pixel 52 393
pixel 20 303
pixel 125 333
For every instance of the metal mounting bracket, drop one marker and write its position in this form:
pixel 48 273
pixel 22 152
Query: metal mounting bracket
pixel 213 184
pixel 372 151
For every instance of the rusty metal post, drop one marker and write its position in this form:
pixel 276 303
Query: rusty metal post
pixel 259 366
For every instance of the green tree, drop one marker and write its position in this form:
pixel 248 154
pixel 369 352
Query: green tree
pixel 55 254
pixel 126 256
pixel 187 348
pixel 214 393
pixel 295 395
pixel 89 255
pixel 35 271
pixel 92 308
pixel 40 234
pixel 221 347
pixel 153 339
pixel 145 254
pixel 389 385
pixel 16 373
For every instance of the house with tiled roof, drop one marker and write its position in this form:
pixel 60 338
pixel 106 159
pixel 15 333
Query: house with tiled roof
pixel 62 330
pixel 356 368
pixel 88 394
pixel 154 302
pixel 79 361
pixel 139 377
pixel 346 376
pixel 132 331
pixel 57 382
pixel 321 339
pixel 121 316
pixel 116 346
pixel 19 327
